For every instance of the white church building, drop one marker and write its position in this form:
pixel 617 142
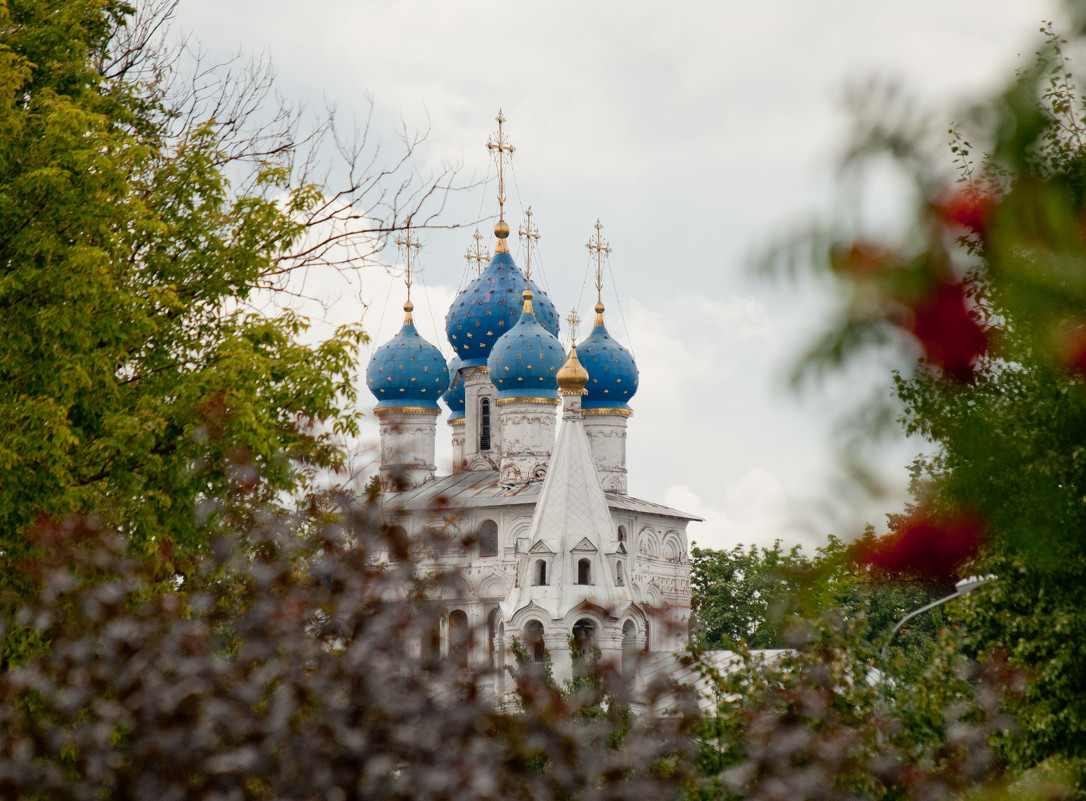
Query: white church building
pixel 553 550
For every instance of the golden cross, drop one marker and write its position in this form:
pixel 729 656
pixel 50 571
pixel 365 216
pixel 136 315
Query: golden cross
pixel 573 319
pixel 528 233
pixel 601 247
pixel 407 243
pixel 478 255
pixel 503 147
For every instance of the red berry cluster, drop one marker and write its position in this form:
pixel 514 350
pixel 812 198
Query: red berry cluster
pixel 928 545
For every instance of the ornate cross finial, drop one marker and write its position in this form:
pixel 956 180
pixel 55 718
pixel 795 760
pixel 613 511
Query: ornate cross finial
pixel 528 233
pixel 573 319
pixel 408 244
pixel 600 246
pixel 478 254
pixel 501 230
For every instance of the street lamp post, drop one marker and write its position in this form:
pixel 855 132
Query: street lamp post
pixel 961 588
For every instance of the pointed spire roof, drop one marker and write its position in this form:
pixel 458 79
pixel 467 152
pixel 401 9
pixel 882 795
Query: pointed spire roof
pixel 571 515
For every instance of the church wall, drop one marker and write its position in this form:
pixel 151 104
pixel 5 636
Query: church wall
pixel 661 574
pixel 407 445
pixel 482 433
pixel 657 567
pixel 649 550
pixel 457 432
pixel 606 431
pixel 527 436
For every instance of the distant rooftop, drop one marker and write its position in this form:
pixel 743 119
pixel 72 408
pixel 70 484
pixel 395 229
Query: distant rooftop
pixel 481 488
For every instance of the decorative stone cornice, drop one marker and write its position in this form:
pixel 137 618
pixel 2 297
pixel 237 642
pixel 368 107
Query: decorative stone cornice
pixel 617 412
pixel 540 401
pixel 391 411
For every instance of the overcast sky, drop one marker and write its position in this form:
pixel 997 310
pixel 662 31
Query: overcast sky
pixel 699 134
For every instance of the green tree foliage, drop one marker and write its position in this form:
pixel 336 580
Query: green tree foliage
pixel 760 597
pixel 745 595
pixel 318 686
pixel 1010 439
pixel 987 285
pixel 139 218
pixel 817 722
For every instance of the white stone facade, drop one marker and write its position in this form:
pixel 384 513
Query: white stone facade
pixel 606 430
pixel 527 436
pixel 407 445
pixel 617 571
pixel 482 435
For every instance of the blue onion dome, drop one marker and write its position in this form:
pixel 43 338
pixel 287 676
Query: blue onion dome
pixel 489 307
pixel 407 370
pixel 524 362
pixel 612 373
pixel 454 395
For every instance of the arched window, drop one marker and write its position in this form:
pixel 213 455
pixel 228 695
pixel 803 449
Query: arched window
pixel 397 543
pixel 488 538
pixel 459 638
pixel 584 571
pixel 540 573
pixel 629 648
pixel 620 576
pixel 533 639
pixel 621 533
pixel 484 424
pixel 491 636
pixel 431 646
pixel 584 641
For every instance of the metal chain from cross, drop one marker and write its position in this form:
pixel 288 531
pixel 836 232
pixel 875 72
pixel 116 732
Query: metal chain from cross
pixel 478 254
pixel 601 247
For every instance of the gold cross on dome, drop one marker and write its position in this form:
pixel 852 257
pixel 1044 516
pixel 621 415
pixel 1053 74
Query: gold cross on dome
pixel 528 233
pixel 600 246
pixel 408 244
pixel 573 319
pixel 477 254
pixel 503 147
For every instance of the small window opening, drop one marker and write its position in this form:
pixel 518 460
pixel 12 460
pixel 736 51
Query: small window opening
pixel 431 645
pixel 491 637
pixel 397 543
pixel 584 572
pixel 488 538
pixel 459 638
pixel 621 533
pixel 484 424
pixel 533 636
pixel 629 648
pixel 620 577
pixel 540 573
pixel 584 641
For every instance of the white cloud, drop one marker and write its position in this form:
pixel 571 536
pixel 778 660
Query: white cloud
pixel 754 510
pixel 697 137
